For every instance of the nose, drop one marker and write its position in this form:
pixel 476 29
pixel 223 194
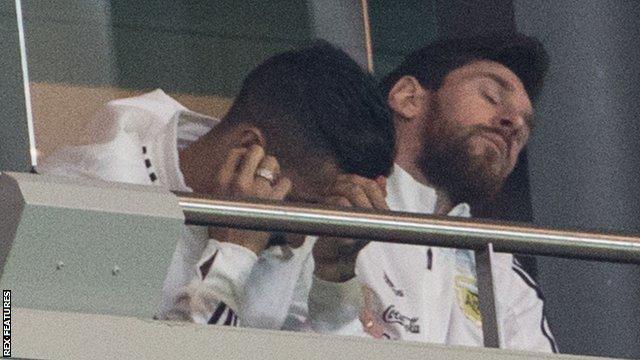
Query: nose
pixel 512 123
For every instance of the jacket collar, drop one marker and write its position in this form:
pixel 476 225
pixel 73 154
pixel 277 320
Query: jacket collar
pixel 404 193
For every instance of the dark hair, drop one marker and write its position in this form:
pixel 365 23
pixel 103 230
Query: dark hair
pixel 318 102
pixel 524 55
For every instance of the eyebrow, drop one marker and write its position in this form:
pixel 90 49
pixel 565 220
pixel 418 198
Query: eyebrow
pixel 497 78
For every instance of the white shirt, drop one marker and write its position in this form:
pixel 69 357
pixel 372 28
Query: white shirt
pixel 410 292
pixel 428 294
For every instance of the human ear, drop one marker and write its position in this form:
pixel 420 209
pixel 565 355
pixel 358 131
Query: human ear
pixel 407 98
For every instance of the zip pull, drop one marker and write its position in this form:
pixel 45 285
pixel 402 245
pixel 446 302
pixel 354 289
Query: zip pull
pixel 429 258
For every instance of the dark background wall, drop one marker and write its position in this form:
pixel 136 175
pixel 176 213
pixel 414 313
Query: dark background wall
pixel 584 165
pixel 200 47
pixel 399 27
pixel 204 47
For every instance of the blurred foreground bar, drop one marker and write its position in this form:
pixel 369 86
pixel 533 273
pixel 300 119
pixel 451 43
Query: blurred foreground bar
pixel 58 335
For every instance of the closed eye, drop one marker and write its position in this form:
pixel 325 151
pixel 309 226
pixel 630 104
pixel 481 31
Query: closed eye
pixel 492 100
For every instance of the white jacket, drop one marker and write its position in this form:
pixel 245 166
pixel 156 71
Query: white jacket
pixel 428 294
pixel 400 292
pixel 136 140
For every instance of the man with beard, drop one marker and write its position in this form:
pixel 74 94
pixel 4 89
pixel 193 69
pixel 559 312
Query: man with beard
pixel 462 113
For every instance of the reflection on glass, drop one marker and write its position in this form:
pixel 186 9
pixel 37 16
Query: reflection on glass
pixel 16 146
pixel 83 54
pixel 398 28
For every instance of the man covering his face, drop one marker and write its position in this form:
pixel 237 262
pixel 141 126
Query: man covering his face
pixel 302 120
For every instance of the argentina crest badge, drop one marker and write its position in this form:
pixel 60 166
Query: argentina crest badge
pixel 466 287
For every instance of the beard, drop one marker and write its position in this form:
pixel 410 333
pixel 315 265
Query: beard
pixel 450 162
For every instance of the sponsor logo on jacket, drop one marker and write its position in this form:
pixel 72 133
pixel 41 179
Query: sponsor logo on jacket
pixel 392 316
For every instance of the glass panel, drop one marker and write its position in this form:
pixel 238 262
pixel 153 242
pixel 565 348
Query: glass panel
pixel 398 28
pixel 16 132
pixel 85 53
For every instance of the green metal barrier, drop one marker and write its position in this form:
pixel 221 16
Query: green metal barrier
pixel 86 246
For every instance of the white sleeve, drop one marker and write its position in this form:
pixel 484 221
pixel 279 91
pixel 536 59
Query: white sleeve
pixel 181 271
pixel 235 287
pixel 276 295
pixel 336 307
pixel 524 325
pixel 215 294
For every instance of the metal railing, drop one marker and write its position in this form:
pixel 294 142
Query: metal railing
pixel 484 237
pixel 407 228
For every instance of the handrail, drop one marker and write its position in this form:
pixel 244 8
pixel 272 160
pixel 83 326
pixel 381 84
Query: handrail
pixel 396 227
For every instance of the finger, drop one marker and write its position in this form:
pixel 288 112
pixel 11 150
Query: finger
pixel 374 192
pixel 229 168
pixel 271 163
pixel 247 170
pixel 379 183
pixel 268 163
pixel 281 188
pixel 382 182
pixel 354 192
pixel 338 201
